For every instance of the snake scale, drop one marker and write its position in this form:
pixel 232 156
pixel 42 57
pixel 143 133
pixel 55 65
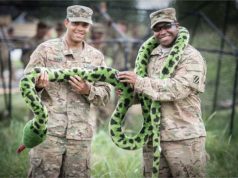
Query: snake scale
pixel 35 130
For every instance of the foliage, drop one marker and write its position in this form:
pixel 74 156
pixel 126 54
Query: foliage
pixel 12 165
pixel 222 149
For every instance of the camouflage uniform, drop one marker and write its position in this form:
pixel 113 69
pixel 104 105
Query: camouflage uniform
pixel 69 113
pixel 181 121
pixel 182 129
pixel 66 151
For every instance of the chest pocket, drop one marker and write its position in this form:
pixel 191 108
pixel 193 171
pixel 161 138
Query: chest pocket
pixel 155 66
pixel 87 63
pixel 54 61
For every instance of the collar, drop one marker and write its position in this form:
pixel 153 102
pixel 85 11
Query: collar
pixel 161 51
pixel 68 51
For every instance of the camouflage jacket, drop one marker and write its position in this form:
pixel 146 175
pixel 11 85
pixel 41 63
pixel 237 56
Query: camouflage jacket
pixel 179 94
pixel 69 112
pixel 30 45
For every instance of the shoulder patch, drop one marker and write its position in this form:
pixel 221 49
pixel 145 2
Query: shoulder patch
pixel 196 79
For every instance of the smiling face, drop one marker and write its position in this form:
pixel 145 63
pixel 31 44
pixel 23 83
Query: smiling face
pixel 166 33
pixel 76 31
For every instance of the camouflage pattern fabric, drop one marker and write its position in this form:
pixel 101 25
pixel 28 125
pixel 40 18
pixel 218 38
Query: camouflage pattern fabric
pixel 79 13
pixel 163 15
pixel 185 158
pixel 179 95
pixel 180 103
pixel 69 112
pixel 59 157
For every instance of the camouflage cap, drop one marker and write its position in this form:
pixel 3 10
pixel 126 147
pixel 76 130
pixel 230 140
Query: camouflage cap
pixel 78 13
pixel 163 15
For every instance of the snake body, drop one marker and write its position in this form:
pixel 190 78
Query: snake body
pixel 35 130
pixel 151 109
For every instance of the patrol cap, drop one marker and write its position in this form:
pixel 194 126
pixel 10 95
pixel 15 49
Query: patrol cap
pixel 79 13
pixel 163 15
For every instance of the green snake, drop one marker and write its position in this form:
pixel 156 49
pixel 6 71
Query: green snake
pixel 35 130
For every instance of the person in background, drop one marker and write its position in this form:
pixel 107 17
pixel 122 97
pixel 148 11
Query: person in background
pixel 98 36
pixel 41 32
pixel 60 29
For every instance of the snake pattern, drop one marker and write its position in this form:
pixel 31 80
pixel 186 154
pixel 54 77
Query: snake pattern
pixel 35 130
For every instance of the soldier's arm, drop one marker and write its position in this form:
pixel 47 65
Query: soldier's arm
pixel 99 93
pixel 37 59
pixel 189 78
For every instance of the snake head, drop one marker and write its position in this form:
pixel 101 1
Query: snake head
pixel 31 137
pixel 20 149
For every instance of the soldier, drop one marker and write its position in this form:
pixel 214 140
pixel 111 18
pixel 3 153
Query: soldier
pixel 97 36
pixel 41 31
pixel 66 150
pixel 182 129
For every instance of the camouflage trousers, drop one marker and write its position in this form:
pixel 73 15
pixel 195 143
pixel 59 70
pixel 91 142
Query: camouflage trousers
pixel 60 157
pixel 184 158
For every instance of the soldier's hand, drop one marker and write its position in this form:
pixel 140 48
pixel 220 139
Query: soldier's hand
pixel 127 77
pixel 79 85
pixel 42 81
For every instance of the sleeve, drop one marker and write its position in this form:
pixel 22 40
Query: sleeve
pixel 189 77
pixel 37 59
pixel 99 91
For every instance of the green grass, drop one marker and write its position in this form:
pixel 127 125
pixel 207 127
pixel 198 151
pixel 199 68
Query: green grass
pixel 108 161
pixel 12 165
pixel 220 146
pixel 223 156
